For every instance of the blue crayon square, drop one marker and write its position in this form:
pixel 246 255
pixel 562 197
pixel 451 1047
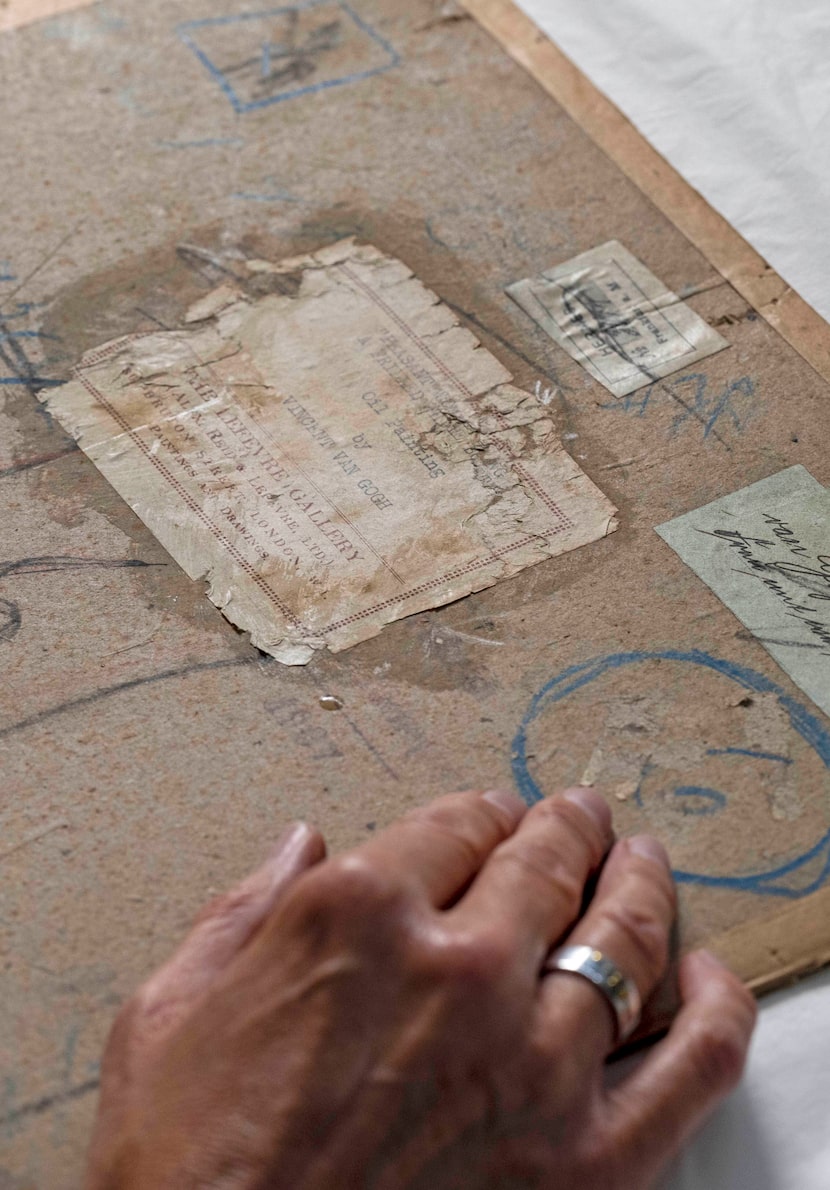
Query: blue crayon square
pixel 260 58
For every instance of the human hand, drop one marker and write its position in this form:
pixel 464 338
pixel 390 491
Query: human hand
pixel 381 1018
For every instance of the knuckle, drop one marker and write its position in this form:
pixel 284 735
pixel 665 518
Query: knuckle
pixel 147 1013
pixel 128 1032
pixel 557 1053
pixel 479 961
pixel 742 1002
pixel 227 905
pixel 447 810
pixel 645 933
pixel 718 1051
pixel 129 1017
pixel 661 885
pixel 462 831
pixel 603 1159
pixel 540 862
pixel 559 817
pixel 351 885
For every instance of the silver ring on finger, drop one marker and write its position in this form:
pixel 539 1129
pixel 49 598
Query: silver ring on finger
pixel 591 964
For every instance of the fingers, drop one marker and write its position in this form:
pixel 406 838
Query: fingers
pixel 629 920
pixel 686 1075
pixel 438 848
pixel 532 886
pixel 225 926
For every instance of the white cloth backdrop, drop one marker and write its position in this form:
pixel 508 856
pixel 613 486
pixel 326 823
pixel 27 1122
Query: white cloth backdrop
pixel 736 94
pixel 774 1133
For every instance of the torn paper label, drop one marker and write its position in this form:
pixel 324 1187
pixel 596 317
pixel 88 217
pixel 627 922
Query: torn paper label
pixel 765 552
pixel 616 318
pixel 332 457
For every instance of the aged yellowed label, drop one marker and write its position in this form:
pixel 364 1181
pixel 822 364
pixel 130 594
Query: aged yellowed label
pixel 616 318
pixel 330 458
pixel 765 552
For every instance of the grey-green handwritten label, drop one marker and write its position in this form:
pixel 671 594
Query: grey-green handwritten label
pixel 765 552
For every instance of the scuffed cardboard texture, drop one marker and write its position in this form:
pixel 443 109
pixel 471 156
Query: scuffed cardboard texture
pixel 148 752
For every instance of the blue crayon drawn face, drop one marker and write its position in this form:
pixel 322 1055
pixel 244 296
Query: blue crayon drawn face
pixel 730 770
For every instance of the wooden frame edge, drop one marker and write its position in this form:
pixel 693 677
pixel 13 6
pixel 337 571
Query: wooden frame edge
pixel 725 248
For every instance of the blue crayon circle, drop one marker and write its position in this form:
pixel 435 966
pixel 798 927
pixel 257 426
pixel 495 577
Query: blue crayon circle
pixel 767 883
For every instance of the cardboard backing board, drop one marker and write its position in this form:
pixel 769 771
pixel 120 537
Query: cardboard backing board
pixel 148 751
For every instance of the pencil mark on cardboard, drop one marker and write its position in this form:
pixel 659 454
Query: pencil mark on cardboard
pixel 262 58
pixel 370 747
pixel 273 193
pixel 15 365
pixel 41 264
pixel 10 619
pixel 549 371
pixel 34 837
pixel 716 409
pixel 209 142
pixel 48 563
pixel 37 1107
pixel 105 692
pixel 20 465
pixel 292 715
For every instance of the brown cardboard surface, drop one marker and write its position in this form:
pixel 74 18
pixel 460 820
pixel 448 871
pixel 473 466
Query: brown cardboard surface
pixel 148 752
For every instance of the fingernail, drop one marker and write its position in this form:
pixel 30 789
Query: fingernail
pixel 292 839
pixel 506 801
pixel 649 848
pixel 592 803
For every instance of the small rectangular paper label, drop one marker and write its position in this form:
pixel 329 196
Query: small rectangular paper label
pixel 765 552
pixel 616 318
pixel 332 456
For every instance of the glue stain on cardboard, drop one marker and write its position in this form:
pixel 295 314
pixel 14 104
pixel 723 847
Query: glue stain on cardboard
pixel 154 289
pixel 150 289
pixel 179 424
